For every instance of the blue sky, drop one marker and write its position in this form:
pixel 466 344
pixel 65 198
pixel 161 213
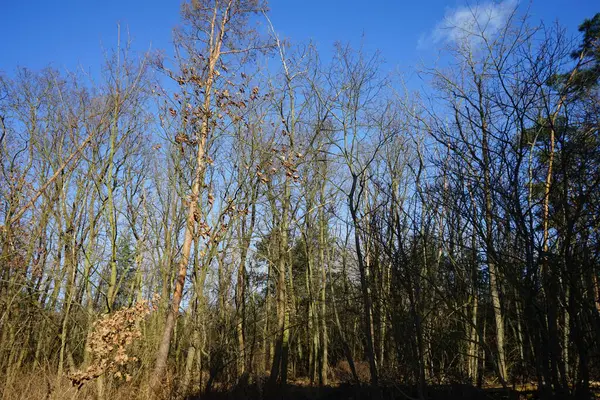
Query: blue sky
pixel 68 34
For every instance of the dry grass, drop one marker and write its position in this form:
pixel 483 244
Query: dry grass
pixel 112 365
pixel 46 385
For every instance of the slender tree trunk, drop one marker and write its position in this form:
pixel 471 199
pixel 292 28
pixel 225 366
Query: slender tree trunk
pixel 489 238
pixel 323 356
pixel 217 33
pixel 364 283
pixel 192 203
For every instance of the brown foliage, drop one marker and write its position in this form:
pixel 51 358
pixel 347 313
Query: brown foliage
pixel 109 342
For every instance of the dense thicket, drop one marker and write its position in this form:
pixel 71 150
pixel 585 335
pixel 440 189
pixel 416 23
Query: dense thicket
pixel 202 222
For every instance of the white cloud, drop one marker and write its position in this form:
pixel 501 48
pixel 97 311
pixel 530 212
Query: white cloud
pixel 469 22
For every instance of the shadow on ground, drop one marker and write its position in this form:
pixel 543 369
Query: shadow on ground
pixel 363 392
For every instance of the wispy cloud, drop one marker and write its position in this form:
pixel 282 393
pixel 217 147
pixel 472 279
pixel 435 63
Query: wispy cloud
pixel 468 23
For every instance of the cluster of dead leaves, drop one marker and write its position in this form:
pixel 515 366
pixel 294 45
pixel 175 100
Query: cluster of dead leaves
pixel 109 342
pixel 288 161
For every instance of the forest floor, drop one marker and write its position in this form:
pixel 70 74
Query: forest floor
pixel 364 392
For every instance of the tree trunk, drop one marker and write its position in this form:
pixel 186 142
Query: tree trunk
pixel 364 284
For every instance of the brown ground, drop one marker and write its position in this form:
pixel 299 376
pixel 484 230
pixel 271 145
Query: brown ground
pixel 355 392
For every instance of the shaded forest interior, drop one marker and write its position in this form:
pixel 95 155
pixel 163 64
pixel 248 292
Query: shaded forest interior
pixel 251 219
